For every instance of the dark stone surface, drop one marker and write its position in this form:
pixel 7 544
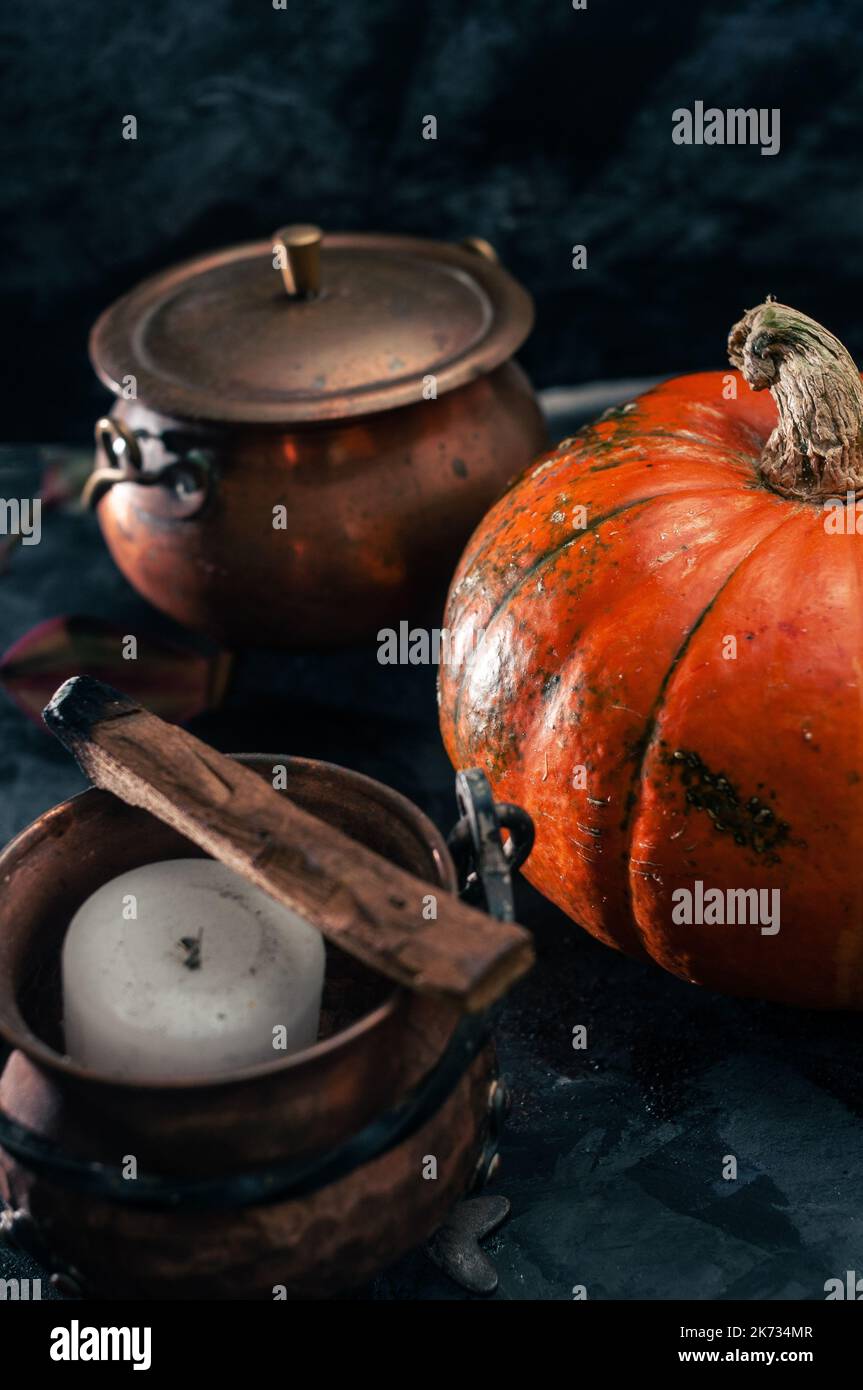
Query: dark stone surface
pixel 613 1156
pixel 554 128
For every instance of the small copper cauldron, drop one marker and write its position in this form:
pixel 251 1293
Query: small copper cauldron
pixel 306 433
pixel 306 1173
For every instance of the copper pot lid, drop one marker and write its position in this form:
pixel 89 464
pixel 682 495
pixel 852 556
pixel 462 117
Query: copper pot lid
pixel 312 327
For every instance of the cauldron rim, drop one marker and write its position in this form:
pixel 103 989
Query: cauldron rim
pixel 18 1034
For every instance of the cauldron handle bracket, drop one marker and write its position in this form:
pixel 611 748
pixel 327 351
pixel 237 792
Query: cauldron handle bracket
pixel 484 861
pixel 485 864
pixel 186 480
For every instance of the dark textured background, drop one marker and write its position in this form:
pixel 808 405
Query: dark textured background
pixel 554 129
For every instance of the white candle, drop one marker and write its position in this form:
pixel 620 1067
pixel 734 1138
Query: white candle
pixel 184 969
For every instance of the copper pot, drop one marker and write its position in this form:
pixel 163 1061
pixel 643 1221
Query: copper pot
pixel 379 1045
pixel 306 433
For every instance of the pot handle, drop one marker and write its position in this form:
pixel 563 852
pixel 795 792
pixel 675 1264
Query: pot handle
pixel 186 479
pixel 119 447
pixel 485 863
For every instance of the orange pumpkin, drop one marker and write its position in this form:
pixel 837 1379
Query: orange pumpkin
pixel 656 647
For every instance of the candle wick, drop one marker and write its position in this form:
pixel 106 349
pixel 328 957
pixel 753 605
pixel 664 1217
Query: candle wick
pixel 192 946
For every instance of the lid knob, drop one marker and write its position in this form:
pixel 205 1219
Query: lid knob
pixel 481 247
pixel 300 261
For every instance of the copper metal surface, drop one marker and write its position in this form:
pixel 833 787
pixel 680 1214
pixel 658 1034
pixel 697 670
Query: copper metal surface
pixel 301 267
pixel 218 339
pixel 340 1235
pixel 376 512
pixel 365 391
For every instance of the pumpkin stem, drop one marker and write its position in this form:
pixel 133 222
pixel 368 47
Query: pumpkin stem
pixel 816 450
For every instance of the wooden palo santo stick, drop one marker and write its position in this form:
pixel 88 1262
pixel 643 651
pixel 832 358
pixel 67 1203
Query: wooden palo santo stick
pixel 357 899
